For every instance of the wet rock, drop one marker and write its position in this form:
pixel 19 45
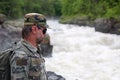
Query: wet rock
pixel 116 29
pixel 54 76
pixel 46 47
pixel 46 50
pixel 107 25
pixel 103 25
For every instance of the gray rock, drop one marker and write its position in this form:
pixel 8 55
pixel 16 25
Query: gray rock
pixel 54 76
pixel 116 28
pixel 8 35
pixel 105 25
pixel 46 50
pixel 102 25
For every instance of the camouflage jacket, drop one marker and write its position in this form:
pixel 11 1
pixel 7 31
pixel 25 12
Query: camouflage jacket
pixel 27 63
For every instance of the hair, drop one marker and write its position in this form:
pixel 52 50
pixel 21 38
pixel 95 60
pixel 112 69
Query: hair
pixel 26 31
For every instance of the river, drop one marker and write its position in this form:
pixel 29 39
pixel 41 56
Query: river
pixel 80 53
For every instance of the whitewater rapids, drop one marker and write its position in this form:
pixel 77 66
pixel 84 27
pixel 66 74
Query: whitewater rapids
pixel 80 53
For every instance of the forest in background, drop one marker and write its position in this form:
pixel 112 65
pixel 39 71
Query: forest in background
pixel 64 8
pixel 17 8
pixel 90 8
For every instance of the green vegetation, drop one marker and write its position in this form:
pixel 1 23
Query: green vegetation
pixel 67 9
pixel 90 8
pixel 17 8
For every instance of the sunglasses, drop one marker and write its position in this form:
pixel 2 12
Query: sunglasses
pixel 44 28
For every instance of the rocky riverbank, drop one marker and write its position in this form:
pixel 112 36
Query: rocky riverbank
pixel 105 25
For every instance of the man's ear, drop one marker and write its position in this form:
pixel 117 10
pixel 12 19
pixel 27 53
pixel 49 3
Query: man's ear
pixel 34 29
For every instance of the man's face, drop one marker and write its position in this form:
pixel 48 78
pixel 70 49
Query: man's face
pixel 39 35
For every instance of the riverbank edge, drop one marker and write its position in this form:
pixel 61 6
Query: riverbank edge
pixel 105 25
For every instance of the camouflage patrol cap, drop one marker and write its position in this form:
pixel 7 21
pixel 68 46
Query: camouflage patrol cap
pixel 34 18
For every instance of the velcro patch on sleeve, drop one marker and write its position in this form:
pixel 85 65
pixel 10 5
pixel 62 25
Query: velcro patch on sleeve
pixel 36 61
pixel 21 62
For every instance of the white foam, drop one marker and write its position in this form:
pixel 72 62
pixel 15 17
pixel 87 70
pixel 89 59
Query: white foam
pixel 80 53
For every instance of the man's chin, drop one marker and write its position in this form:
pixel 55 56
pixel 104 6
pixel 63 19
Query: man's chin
pixel 39 41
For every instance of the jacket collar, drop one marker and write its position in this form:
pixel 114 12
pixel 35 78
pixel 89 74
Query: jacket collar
pixel 29 45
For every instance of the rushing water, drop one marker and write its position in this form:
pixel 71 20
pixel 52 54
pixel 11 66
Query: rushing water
pixel 80 53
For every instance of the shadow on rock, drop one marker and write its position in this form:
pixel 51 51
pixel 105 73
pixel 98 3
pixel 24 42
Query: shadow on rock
pixel 54 76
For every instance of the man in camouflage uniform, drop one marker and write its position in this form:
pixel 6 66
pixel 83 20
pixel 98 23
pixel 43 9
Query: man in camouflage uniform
pixel 27 62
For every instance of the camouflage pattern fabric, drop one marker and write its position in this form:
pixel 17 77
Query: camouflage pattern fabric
pixel 34 18
pixel 27 63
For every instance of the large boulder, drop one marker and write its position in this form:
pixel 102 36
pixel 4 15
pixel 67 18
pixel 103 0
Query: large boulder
pixel 46 50
pixel 103 25
pixel 116 29
pixel 8 35
pixel 46 47
pixel 107 25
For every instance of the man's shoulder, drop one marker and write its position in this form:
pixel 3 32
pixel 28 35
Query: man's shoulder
pixel 23 48
pixel 19 53
pixel 19 50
